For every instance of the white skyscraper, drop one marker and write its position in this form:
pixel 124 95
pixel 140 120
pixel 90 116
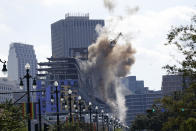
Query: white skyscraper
pixel 19 55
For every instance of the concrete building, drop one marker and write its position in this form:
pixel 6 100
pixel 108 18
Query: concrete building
pixel 135 86
pixel 139 103
pixel 6 86
pixel 67 72
pixel 172 83
pixel 72 36
pixel 140 99
pixel 19 55
pixel 47 107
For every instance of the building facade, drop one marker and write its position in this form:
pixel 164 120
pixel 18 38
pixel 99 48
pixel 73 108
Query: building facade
pixel 139 103
pixel 48 92
pixel 19 55
pixel 67 72
pixel 6 86
pixel 172 83
pixel 135 86
pixel 140 99
pixel 72 36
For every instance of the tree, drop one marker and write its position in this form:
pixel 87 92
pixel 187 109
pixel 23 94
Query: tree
pixel 139 123
pixel 183 107
pixel 189 125
pixel 152 120
pixel 11 117
pixel 184 38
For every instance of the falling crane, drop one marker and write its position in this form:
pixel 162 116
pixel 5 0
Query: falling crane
pixel 113 42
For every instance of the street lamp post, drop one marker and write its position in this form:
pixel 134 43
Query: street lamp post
pixel 114 123
pixel 75 108
pixel 4 69
pixel 80 106
pixel 90 109
pixel 102 115
pixel 28 76
pixel 97 120
pixel 107 121
pixel 57 105
pixel 70 109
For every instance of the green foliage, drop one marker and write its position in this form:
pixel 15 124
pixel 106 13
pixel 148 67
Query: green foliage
pixel 184 38
pixel 11 117
pixel 151 120
pixel 182 105
pixel 189 125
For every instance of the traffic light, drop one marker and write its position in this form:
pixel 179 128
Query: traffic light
pixel 182 109
pixel 150 110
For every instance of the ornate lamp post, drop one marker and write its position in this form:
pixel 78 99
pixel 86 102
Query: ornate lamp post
pixel 80 106
pixel 97 120
pixel 114 123
pixel 4 69
pixel 57 105
pixel 102 115
pixel 28 76
pixel 70 109
pixel 90 111
pixel 107 120
pixel 75 108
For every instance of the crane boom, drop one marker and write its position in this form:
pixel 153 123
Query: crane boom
pixel 113 42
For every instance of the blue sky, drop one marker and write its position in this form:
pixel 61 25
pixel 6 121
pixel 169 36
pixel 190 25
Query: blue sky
pixel 28 21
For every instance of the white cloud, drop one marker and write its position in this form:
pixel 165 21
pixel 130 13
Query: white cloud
pixel 42 50
pixel 150 28
pixel 153 26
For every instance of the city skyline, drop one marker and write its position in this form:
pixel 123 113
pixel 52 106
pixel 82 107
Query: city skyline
pixel 29 22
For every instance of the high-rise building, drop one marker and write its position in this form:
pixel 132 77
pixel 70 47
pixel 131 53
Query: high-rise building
pixel 6 86
pixel 68 74
pixel 172 83
pixel 19 55
pixel 72 36
pixel 140 99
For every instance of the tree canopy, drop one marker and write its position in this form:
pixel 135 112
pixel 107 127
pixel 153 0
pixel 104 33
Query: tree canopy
pixel 11 117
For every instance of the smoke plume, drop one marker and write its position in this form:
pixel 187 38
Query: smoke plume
pixel 109 4
pixel 131 11
pixel 106 65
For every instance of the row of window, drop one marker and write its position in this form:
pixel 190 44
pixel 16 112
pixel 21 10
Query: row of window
pixel 83 23
pixel 5 88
